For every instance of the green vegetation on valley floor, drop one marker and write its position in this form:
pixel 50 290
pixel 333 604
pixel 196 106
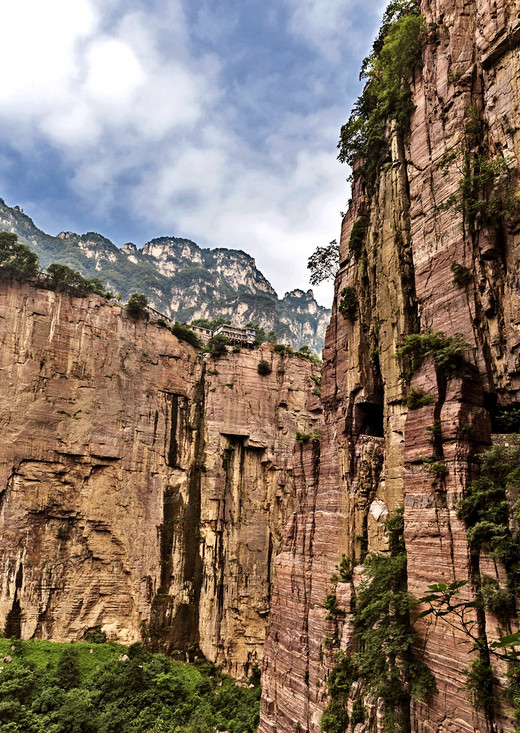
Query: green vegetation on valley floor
pixel 82 687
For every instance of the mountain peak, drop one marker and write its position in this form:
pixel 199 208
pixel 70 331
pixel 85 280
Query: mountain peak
pixel 181 279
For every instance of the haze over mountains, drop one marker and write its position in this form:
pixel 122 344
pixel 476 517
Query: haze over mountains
pixel 181 279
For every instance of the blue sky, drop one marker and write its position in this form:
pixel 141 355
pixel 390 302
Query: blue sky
pixel 212 120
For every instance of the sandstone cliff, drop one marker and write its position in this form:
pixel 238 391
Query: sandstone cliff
pixel 370 460
pixel 143 487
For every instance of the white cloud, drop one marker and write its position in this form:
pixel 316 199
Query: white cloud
pixel 114 72
pixel 121 95
pixel 38 50
pixel 327 25
pixel 73 83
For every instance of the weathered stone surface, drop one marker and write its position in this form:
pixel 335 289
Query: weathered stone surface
pixel 470 62
pixel 143 488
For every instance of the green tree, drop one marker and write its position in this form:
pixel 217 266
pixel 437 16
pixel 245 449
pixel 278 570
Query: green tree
pixel 264 368
pixel 323 263
pixel 217 345
pixel 76 714
pixel 184 333
pixel 387 95
pixel 17 260
pixel 63 277
pixel 68 672
pixel 137 305
pixel 259 331
pixel 97 286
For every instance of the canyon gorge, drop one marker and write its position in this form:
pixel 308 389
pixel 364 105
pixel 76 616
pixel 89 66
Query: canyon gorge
pixel 200 506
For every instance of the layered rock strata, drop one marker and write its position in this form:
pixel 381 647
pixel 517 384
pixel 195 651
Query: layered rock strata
pixel 143 487
pixel 371 458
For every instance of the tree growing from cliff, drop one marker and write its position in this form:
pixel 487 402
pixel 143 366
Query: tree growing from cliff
pixel 137 305
pixel 264 368
pixel 489 510
pixel 259 331
pixel 385 665
pixel 217 345
pixel 387 96
pixel 323 263
pixel 17 260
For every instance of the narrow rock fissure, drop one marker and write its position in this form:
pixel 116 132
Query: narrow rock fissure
pixel 13 625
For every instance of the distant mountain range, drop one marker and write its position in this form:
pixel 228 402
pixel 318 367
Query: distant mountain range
pixel 181 279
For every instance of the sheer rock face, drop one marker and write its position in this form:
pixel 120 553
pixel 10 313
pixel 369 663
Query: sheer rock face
pixel 143 488
pixel 370 459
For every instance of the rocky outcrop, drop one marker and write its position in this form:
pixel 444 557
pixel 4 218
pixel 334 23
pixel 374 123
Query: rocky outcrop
pixel 405 283
pixel 144 487
pixel 181 279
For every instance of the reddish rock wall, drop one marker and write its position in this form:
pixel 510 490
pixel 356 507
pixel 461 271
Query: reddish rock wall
pixel 143 488
pixel 470 62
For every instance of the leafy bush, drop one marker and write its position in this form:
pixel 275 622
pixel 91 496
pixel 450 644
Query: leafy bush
pixel 357 236
pixel 212 324
pixel 283 349
pixel 16 260
pixel 264 368
pixel 346 567
pixel 184 333
pixel 331 604
pixel 137 305
pixel 508 419
pixel 387 96
pixel 497 599
pixel 63 532
pixel 418 398
pixel 486 192
pixel 95 636
pixel 348 303
pixel 461 274
pixel 385 664
pixel 68 672
pixel 481 683
pixel 335 718
pixel 448 352
pixel 216 346
pixel 66 279
pixel 317 382
pixel 486 511
pixel 313 437
pixel 438 469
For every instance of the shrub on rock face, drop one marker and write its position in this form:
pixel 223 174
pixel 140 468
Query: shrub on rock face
pixel 348 304
pixel 418 398
pixel 447 352
pixel 137 305
pixel 264 367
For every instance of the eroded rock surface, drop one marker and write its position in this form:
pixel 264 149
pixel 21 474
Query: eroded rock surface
pixel 143 488
pixel 373 447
